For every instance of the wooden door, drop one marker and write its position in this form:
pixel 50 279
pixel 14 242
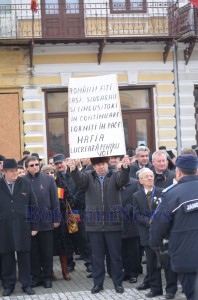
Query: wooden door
pixel 62 19
pixel 138 129
pixel 10 136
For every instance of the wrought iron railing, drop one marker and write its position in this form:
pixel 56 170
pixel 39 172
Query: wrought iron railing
pixel 189 21
pixel 90 20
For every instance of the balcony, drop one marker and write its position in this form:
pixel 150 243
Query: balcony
pixel 86 22
pixel 189 25
pixel 188 29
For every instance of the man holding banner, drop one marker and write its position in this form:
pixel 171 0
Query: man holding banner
pixel 96 131
pixel 103 216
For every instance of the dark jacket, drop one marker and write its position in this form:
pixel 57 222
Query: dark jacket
pixel 130 228
pixel 46 192
pixel 142 213
pixel 62 239
pixel 16 221
pixel 165 179
pixel 177 217
pixel 103 201
pixel 135 167
pixel 77 193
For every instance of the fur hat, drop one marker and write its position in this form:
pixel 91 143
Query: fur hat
pixel 99 160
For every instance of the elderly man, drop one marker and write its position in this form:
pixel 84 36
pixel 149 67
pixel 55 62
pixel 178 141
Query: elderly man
pixel 103 223
pixel 16 227
pixel 163 176
pixel 176 217
pixel 142 161
pixel 145 202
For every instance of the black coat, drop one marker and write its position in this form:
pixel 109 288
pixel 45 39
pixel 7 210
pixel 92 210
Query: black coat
pixel 77 193
pixel 46 193
pixel 130 228
pixel 142 213
pixel 103 201
pixel 16 221
pixel 177 217
pixel 63 244
pixel 165 179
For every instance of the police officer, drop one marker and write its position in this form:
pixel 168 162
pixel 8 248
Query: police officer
pixel 176 217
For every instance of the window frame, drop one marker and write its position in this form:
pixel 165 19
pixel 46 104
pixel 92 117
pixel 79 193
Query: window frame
pixel 128 11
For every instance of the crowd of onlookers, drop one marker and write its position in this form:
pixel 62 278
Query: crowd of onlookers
pixel 114 198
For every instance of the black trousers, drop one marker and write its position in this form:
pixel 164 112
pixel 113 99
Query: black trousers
pixel 42 255
pixel 9 269
pixel 99 241
pixel 171 277
pixel 153 276
pixel 130 256
pixel 188 285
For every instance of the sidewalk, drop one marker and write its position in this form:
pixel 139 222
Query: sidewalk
pixel 79 288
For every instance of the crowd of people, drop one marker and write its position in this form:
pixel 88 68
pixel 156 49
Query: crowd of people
pixel 129 208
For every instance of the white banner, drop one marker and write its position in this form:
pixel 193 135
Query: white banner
pixel 95 119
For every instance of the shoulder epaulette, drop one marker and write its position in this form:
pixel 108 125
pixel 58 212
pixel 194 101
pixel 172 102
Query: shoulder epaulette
pixel 170 187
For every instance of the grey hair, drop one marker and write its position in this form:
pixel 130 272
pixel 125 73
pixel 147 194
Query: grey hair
pixel 159 152
pixel 141 148
pixel 139 172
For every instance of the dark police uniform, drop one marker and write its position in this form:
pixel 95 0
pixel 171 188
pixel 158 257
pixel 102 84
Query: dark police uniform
pixel 177 216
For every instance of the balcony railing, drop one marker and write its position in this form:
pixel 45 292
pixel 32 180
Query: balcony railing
pixel 189 24
pixel 74 21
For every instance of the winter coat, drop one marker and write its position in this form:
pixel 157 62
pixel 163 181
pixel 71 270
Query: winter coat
pixel 17 216
pixel 103 200
pixel 177 216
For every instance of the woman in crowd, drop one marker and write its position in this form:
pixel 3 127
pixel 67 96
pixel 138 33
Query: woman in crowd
pixel 63 245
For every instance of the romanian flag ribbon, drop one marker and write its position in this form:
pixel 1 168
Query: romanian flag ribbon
pixel 60 193
pixel 34 5
pixel 194 2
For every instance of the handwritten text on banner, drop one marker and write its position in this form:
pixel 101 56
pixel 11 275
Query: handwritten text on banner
pixel 95 120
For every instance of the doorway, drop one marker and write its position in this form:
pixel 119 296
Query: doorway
pixel 62 19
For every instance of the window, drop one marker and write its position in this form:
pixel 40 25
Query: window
pixel 72 6
pixel 5 7
pixel 51 7
pixel 128 6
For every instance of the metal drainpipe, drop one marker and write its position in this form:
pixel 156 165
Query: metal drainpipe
pixel 177 98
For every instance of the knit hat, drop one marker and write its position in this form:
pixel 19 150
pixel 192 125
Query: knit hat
pixel 187 161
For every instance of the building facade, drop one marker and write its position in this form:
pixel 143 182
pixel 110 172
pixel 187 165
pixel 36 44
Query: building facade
pixel 139 41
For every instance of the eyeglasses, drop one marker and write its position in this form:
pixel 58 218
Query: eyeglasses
pixel 33 165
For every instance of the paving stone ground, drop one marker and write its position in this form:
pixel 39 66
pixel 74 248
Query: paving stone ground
pixel 79 288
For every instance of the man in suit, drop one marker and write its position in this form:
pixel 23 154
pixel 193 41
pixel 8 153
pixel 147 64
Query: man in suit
pixel 130 235
pixel 145 202
pixel 16 227
pixel 142 161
